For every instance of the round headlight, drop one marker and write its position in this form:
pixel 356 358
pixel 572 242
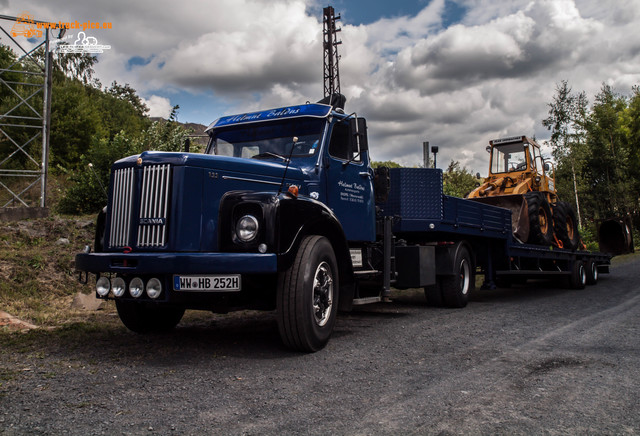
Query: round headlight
pixel 154 288
pixel 136 287
pixel 247 228
pixel 103 286
pixel 118 287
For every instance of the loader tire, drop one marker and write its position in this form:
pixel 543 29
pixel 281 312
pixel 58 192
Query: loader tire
pixel 540 222
pixel 565 225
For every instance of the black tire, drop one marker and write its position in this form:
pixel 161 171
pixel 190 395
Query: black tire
pixel 456 288
pixel 433 294
pixel 308 296
pixel 142 317
pixel 592 272
pixel 578 278
pixel 565 225
pixel 540 222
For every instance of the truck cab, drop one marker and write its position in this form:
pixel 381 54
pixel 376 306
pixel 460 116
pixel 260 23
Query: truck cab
pixel 322 152
pixel 263 219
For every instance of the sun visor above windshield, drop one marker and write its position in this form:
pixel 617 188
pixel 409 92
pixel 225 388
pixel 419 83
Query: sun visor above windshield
pixel 305 110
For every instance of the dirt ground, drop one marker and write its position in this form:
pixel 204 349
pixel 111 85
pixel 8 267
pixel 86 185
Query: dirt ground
pixel 533 359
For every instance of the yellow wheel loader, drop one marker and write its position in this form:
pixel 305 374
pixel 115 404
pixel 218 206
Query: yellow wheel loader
pixel 519 179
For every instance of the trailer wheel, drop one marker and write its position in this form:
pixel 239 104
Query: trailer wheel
pixel 456 288
pixel 540 222
pixel 592 272
pixel 308 296
pixel 565 225
pixel 578 277
pixel 148 318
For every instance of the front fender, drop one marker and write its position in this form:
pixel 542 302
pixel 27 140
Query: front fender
pixel 287 220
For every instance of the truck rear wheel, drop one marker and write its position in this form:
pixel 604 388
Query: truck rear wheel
pixel 540 222
pixel 308 296
pixel 456 288
pixel 148 318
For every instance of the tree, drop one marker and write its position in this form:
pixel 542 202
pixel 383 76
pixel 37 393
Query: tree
pixel 457 181
pixel 566 121
pixel 77 66
pixel 609 166
pixel 128 94
pixel 386 163
pixel 85 195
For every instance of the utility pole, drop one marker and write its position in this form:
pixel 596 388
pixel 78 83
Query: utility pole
pixel 331 58
pixel 425 154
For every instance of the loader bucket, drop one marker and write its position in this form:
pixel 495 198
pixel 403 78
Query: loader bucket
pixel 615 236
pixel 519 212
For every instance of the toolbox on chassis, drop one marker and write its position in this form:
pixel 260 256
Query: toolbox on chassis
pixel 284 212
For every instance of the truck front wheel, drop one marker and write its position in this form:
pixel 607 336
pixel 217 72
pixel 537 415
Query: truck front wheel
pixel 308 296
pixel 148 318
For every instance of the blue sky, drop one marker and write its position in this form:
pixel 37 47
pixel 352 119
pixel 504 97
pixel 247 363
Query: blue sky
pixel 457 73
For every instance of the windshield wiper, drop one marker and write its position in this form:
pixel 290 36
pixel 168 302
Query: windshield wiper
pixel 268 153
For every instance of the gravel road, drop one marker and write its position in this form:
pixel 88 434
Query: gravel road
pixel 531 359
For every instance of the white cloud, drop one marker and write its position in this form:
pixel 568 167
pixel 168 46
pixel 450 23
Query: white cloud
pixel 158 106
pixel 490 75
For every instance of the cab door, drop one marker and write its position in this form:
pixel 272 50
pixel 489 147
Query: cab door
pixel 349 183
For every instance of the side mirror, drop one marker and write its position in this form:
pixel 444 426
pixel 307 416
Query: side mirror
pixel 358 129
pixel 547 167
pixel 488 149
pixel 187 145
pixel 477 175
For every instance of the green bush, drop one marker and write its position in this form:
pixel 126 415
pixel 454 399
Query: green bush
pixel 87 191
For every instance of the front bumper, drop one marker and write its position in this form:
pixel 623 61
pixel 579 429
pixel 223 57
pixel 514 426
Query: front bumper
pixel 177 263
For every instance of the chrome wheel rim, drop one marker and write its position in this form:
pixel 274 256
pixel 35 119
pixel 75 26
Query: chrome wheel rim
pixel 464 277
pixel 322 294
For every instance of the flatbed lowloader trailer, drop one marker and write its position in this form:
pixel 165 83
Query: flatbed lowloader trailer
pixel 284 212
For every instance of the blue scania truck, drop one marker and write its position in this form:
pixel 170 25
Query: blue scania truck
pixel 284 212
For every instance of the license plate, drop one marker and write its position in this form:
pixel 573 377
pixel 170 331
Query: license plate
pixel 207 283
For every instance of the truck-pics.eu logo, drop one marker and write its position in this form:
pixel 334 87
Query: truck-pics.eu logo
pixel 25 26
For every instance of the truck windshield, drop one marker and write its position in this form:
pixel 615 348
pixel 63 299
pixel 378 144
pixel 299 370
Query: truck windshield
pixel 271 140
pixel 508 157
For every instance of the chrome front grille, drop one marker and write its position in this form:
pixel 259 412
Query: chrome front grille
pixel 151 220
pixel 153 206
pixel 121 204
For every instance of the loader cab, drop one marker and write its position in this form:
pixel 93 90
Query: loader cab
pixel 512 155
pixel 519 158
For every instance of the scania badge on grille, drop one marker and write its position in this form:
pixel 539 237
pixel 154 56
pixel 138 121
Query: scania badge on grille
pixel 152 221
